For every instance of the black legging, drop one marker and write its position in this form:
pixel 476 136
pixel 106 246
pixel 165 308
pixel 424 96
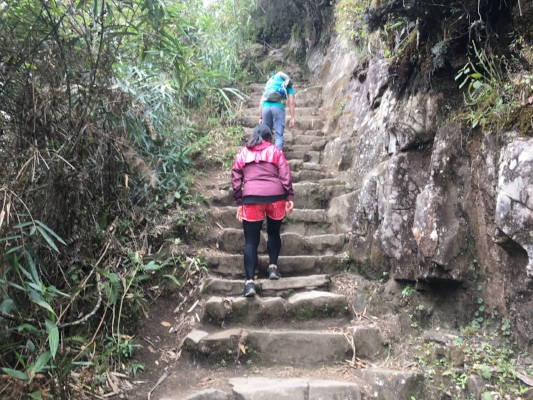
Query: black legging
pixel 252 235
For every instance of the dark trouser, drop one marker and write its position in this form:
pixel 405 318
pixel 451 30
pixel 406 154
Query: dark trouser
pixel 252 235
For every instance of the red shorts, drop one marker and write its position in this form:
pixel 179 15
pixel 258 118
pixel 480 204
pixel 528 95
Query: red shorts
pixel 256 212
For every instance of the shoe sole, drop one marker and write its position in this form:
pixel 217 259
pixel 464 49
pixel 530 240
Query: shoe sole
pixel 251 293
pixel 273 277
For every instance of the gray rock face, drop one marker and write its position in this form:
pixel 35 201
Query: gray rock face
pixel 413 122
pixel 514 206
pixel 400 193
pixel 439 228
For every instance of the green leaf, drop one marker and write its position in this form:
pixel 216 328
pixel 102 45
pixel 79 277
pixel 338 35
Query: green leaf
pixel 53 340
pixel 36 395
pixel 172 278
pixel 42 361
pixel 14 249
pixel 7 305
pixel 51 232
pixel 23 225
pixel 5 239
pixel 476 84
pixel 15 374
pixel 476 75
pixel 47 238
pixel 66 368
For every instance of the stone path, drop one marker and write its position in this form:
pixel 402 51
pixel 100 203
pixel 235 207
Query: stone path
pixel 295 321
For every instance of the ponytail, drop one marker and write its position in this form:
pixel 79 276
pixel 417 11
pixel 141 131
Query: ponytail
pixel 260 133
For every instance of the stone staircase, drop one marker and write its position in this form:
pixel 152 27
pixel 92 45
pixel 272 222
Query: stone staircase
pixel 295 322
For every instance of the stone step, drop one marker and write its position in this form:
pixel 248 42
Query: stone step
pixel 301 122
pixel 283 287
pixel 312 195
pixel 309 195
pixel 231 265
pixel 225 217
pixel 231 240
pixel 299 165
pixel 299 147
pixel 299 112
pixel 293 389
pixel 290 347
pixel 301 90
pixel 294 134
pixel 310 176
pixel 370 383
pixel 294 155
pixel 308 156
pixel 258 87
pixel 303 102
pixel 316 141
pixel 255 310
pixel 391 384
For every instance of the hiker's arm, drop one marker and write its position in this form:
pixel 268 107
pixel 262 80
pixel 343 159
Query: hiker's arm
pixel 260 112
pixel 292 108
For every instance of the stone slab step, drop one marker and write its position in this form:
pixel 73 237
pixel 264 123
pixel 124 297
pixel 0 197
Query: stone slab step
pixel 299 165
pixel 298 347
pixel 205 394
pixel 310 140
pixel 254 310
pixel 390 384
pixel 299 111
pixel 313 157
pixel 258 87
pixel 231 240
pixel 312 195
pixel 225 217
pixel 231 265
pixel 293 389
pixel 271 346
pixel 288 347
pixel 294 155
pixel 303 102
pixel 309 176
pixel 299 147
pixel 282 287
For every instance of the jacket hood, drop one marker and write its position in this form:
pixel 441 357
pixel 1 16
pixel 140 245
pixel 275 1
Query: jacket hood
pixel 261 146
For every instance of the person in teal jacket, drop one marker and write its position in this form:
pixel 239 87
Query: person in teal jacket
pixel 273 115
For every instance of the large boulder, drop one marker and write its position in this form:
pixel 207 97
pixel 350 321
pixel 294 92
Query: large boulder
pixel 440 228
pixel 514 205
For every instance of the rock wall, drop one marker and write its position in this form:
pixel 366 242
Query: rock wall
pixel 435 203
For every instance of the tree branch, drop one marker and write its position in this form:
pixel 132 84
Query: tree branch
pixel 95 309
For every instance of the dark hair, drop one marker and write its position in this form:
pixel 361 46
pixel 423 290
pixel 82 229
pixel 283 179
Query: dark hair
pixel 260 133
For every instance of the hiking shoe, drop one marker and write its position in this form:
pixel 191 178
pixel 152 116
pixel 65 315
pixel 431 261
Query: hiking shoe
pixel 249 290
pixel 273 274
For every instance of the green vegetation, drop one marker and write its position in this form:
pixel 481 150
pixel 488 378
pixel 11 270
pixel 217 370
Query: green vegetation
pixel 349 19
pixel 102 105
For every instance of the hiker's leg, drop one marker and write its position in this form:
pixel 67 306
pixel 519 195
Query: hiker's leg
pixel 267 117
pixel 252 235
pixel 275 212
pixel 278 115
pixel 274 240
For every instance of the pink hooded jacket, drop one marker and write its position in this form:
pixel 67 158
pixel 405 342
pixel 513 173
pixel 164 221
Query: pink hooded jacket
pixel 261 171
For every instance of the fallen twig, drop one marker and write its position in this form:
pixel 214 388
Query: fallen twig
pixel 163 377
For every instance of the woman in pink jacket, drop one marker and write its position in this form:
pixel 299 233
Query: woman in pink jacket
pixel 262 186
